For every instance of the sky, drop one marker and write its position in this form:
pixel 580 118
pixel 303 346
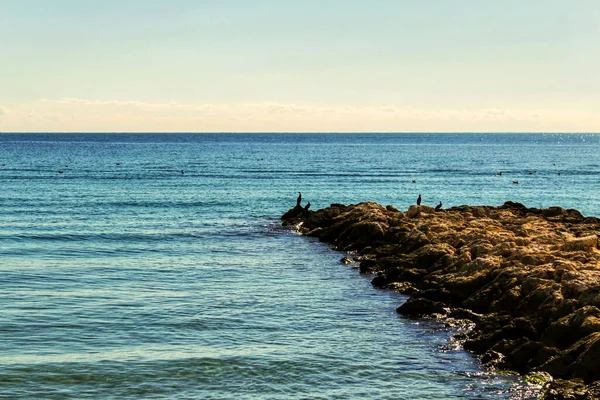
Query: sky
pixel 299 66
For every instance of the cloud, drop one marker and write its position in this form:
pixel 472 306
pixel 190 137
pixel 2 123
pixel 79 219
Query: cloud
pixel 120 103
pixel 78 114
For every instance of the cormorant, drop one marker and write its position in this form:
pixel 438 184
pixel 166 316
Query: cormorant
pixel 515 182
pixel 60 171
pixel 438 207
pixel 182 172
pixel 307 206
pixel 419 200
pixel 299 199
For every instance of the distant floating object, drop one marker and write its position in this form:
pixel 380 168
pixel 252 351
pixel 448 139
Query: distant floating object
pixel 182 172
pixel 60 171
pixel 500 173
pixel 414 181
pixel 559 173
pixel 531 172
pixel 118 163
pixel 4 165
pixel 515 182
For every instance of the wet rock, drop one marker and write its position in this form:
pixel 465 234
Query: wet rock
pixel 462 313
pixel 570 390
pixel 522 358
pixel 438 295
pixel 538 378
pixel 587 364
pixel 573 327
pixel 493 359
pixel 402 287
pixel 415 307
pixel 368 266
pixel 291 215
pixel 380 280
pixel 553 212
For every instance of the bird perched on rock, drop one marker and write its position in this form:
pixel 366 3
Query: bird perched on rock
pixel 307 206
pixel 419 200
pixel 438 207
pixel 299 199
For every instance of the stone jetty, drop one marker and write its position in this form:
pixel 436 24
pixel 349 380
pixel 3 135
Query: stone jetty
pixel 527 280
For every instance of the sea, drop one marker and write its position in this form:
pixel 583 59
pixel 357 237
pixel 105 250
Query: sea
pixel 154 266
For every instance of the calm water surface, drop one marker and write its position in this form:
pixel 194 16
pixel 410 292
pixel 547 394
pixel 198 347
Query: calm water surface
pixel 123 277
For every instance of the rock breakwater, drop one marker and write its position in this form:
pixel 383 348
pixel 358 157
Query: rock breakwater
pixel 528 279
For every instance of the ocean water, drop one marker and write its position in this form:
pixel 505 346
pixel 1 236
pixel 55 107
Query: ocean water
pixel 122 277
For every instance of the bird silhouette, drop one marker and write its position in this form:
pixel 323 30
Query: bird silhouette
pixel 438 207
pixel 419 200
pixel 307 206
pixel 299 199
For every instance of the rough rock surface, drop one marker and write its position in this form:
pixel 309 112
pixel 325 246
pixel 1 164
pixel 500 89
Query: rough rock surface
pixel 528 278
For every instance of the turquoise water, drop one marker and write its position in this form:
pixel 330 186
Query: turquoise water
pixel 123 277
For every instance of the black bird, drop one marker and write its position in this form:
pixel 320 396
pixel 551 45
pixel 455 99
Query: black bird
pixel 60 171
pixel 515 182
pixel 438 207
pixel 419 200
pixel 307 206
pixel 299 199
pixel 182 172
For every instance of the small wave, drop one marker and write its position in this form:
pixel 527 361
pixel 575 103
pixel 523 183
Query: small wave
pixel 117 237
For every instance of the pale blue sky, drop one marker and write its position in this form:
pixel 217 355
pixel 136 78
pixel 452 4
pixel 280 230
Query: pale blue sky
pixel 290 65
